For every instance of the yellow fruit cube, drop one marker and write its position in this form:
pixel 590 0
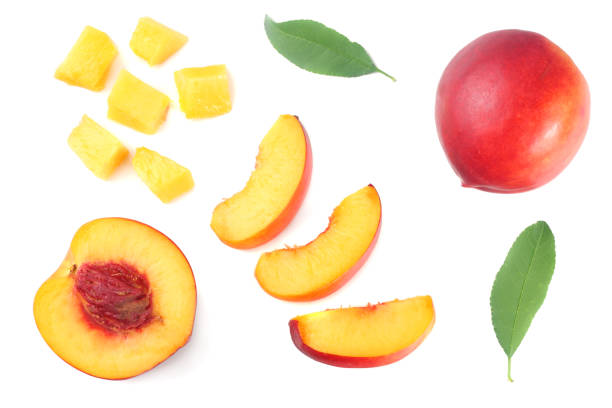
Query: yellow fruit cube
pixel 203 92
pixel 166 178
pixel 136 104
pixel 97 148
pixel 154 42
pixel 89 60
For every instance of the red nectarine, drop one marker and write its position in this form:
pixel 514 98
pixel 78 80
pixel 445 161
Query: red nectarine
pixel 512 110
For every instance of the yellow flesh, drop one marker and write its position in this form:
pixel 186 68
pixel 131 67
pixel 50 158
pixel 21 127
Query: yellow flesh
pixel 277 175
pixel 166 178
pixel 99 150
pixel 203 92
pixel 368 331
pixel 136 104
pixel 59 315
pixel 89 60
pixel 154 42
pixel 294 272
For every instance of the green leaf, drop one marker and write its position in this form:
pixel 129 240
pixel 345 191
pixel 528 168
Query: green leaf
pixel 316 48
pixel 521 284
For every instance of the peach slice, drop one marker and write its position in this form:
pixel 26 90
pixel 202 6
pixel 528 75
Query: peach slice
pixel 368 336
pixel 274 191
pixel 122 301
pixel 325 264
pixel 154 42
pixel 89 60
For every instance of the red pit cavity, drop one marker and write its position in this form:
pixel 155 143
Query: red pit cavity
pixel 114 295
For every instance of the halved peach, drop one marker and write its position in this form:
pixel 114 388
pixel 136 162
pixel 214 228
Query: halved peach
pixel 368 336
pixel 122 301
pixel 325 264
pixel 274 191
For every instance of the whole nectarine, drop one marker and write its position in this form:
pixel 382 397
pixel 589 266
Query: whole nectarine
pixel 512 110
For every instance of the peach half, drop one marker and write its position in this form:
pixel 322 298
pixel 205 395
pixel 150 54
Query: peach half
pixel 122 301
pixel 325 264
pixel 368 336
pixel 273 193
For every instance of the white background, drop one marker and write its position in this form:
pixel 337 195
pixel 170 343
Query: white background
pixel 437 238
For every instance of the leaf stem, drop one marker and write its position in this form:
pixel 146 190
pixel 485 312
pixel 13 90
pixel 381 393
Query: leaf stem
pixel 509 369
pixel 385 74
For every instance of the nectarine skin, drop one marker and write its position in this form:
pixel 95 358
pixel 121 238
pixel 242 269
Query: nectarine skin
pixel 512 110
pixel 348 361
pixel 352 361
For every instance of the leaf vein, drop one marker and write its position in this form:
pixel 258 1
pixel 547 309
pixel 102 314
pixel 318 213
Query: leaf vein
pixel 518 308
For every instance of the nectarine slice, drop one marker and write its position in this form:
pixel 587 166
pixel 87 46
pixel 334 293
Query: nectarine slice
pixel 319 268
pixel 274 191
pixel 122 301
pixel 368 336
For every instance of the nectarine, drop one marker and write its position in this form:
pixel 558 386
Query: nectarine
pixel 368 336
pixel 122 301
pixel 325 264
pixel 273 193
pixel 512 110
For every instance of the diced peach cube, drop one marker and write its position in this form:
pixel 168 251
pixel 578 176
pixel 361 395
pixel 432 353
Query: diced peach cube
pixel 89 60
pixel 97 148
pixel 154 42
pixel 136 104
pixel 166 178
pixel 203 92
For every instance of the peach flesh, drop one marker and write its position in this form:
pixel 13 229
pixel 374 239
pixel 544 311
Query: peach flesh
pixel 226 230
pixel 114 296
pixel 325 264
pixel 350 361
pixel 367 336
